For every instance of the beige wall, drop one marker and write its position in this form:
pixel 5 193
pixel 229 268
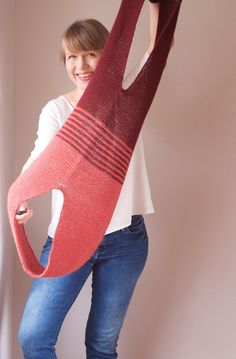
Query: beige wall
pixel 7 142
pixel 184 305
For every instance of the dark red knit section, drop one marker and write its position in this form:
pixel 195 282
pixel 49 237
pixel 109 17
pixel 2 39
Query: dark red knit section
pixel 124 111
pixel 97 144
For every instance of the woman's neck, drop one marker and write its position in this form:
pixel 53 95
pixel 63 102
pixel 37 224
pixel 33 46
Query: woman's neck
pixel 74 96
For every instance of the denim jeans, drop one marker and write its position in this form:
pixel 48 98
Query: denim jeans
pixel 116 266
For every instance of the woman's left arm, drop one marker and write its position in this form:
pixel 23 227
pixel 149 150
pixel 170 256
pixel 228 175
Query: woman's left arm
pixel 154 7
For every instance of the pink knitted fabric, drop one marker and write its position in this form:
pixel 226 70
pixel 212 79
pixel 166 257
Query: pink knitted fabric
pixel 88 158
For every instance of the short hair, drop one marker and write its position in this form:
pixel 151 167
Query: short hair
pixel 84 35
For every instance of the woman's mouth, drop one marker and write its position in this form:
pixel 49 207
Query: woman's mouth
pixel 85 76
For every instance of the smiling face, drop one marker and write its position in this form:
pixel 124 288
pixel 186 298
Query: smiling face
pixel 80 66
pixel 81 47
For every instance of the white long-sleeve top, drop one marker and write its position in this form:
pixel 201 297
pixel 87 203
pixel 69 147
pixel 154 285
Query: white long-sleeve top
pixel 135 196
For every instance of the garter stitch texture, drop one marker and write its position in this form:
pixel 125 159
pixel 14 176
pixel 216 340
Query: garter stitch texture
pixel 88 158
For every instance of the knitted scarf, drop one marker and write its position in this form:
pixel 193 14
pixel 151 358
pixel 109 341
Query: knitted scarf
pixel 89 156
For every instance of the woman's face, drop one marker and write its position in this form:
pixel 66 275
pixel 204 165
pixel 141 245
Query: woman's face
pixel 80 66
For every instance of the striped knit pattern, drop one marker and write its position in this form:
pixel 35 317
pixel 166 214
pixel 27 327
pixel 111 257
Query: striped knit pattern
pixel 97 144
pixel 88 158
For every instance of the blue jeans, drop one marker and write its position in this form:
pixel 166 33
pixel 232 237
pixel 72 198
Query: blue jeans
pixel 116 266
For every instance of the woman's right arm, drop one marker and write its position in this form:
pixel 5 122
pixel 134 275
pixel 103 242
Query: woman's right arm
pixel 154 9
pixel 47 128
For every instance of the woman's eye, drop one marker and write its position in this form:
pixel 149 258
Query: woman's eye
pixel 71 57
pixel 91 54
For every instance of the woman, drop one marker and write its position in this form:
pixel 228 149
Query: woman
pixel 119 260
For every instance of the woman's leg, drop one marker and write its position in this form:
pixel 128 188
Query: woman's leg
pixel 119 263
pixel 48 303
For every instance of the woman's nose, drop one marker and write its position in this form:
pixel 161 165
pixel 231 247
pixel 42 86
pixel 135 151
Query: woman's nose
pixel 82 63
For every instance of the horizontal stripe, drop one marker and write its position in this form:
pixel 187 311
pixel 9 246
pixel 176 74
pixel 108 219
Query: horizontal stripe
pixel 97 144
pixel 91 147
pixel 109 140
pixel 106 130
pixel 105 168
pixel 112 144
pixel 106 150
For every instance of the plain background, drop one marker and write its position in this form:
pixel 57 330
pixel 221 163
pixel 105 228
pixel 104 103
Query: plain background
pixel 184 304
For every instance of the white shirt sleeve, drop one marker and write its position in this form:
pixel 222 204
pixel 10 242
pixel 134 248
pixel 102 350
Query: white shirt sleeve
pixel 47 128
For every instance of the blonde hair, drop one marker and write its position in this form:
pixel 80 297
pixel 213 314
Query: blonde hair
pixel 84 35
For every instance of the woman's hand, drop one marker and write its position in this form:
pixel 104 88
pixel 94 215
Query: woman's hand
pixel 25 215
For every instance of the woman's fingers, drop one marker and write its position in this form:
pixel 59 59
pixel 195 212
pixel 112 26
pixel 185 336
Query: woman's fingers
pixel 24 213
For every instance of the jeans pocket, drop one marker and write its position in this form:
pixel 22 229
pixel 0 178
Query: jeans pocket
pixel 137 224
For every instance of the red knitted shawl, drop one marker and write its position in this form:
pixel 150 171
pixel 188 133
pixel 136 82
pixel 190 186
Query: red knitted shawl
pixel 88 158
